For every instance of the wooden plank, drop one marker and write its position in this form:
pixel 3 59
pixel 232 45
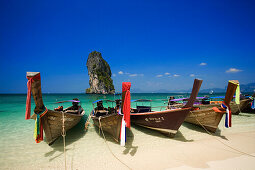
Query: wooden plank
pixel 31 74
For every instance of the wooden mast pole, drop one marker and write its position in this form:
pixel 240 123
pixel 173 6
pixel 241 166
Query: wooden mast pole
pixel 193 95
pixel 232 85
pixel 36 92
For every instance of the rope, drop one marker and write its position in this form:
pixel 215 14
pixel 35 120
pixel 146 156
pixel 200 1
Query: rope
pixel 238 108
pixel 87 123
pixel 64 134
pixel 100 127
pixel 220 140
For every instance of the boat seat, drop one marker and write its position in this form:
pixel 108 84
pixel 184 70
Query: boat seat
pixel 72 111
pixel 101 113
pixel 142 109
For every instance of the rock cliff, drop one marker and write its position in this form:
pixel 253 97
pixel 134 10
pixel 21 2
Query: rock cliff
pixel 99 72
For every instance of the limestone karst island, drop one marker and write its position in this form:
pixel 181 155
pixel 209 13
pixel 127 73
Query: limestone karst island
pixel 99 72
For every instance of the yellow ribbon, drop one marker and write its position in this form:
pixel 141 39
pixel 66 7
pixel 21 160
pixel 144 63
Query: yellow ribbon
pixel 35 130
pixel 237 99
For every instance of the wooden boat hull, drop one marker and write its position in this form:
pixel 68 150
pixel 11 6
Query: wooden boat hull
pixel 236 108
pixel 167 122
pixel 206 118
pixel 53 121
pixel 207 106
pixel 109 123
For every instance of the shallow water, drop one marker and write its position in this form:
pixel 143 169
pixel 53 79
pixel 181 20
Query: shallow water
pixel 18 149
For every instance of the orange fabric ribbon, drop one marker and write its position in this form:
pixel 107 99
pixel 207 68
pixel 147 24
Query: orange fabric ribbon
pixel 216 109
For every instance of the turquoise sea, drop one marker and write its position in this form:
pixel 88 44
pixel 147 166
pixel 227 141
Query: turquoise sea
pixel 18 148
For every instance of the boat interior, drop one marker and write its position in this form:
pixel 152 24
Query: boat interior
pixel 100 110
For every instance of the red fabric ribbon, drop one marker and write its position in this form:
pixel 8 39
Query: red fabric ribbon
pixel 126 105
pixel 29 86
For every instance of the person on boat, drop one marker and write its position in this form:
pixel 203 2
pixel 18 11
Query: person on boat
pixel 206 100
pixel 118 105
pixel 75 108
pixel 75 104
pixel 99 105
pixel 171 102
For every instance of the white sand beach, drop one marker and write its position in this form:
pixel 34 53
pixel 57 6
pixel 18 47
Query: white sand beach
pixel 192 148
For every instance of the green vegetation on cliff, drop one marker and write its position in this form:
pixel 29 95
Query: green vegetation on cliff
pixel 100 74
pixel 105 78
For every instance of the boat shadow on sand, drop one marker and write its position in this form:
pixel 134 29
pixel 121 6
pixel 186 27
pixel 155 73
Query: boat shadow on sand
pixel 72 135
pixel 244 114
pixel 178 136
pixel 129 148
pixel 202 130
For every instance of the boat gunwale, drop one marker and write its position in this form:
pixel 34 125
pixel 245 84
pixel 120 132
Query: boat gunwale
pixel 59 112
pixel 105 116
pixel 208 109
pixel 72 114
pixel 161 112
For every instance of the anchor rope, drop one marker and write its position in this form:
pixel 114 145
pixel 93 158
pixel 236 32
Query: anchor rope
pixel 220 140
pixel 100 127
pixel 239 108
pixel 87 123
pixel 64 134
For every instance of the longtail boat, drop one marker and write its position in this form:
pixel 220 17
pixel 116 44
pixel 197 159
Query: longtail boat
pixel 49 121
pixel 237 108
pixel 107 118
pixel 110 119
pixel 209 102
pixel 167 121
pixel 250 108
pixel 210 115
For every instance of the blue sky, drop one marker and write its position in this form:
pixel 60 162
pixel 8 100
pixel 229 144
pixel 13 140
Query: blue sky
pixel 153 44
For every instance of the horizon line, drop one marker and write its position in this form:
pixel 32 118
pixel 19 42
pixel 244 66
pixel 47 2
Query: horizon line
pixel 118 93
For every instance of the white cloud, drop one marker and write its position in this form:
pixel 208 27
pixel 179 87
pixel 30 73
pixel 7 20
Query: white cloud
pixel 159 75
pixel 114 75
pixel 167 73
pixel 233 70
pixel 203 64
pixel 129 74
pixel 133 75
pixel 192 75
pixel 176 75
